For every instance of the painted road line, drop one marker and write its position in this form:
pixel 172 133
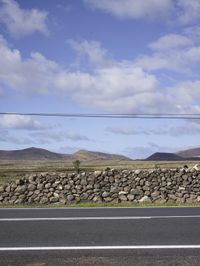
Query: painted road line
pixel 71 219
pixel 133 247
pixel 95 218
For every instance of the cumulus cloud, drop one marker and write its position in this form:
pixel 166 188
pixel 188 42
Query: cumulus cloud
pixel 123 131
pixel 20 122
pixel 171 41
pixel 6 137
pixel 172 52
pixel 133 8
pixel 187 96
pixel 189 128
pixel 59 136
pixel 33 74
pixel 123 86
pixel 92 51
pixel 188 11
pixel 193 32
pixel 20 22
pixel 107 88
pixel 181 12
pixel 39 137
pixel 110 88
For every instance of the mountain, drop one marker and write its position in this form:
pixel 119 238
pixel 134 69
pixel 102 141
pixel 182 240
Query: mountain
pixel 84 155
pixel 30 154
pixel 189 153
pixel 42 154
pixel 164 156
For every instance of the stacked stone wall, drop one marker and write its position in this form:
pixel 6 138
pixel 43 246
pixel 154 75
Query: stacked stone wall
pixel 137 186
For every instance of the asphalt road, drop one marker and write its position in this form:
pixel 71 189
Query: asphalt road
pixel 103 236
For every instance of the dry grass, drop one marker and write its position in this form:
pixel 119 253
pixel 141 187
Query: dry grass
pixel 11 170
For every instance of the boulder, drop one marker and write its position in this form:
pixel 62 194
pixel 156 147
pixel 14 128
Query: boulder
pixel 145 199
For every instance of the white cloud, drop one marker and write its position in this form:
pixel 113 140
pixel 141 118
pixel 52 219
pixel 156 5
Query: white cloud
pixel 93 52
pixel 188 11
pixel 19 122
pixel 122 86
pixel 133 8
pixel 187 129
pixel 5 137
pixel 21 22
pixel 193 32
pixel 33 74
pixel 39 137
pixel 59 136
pixel 171 41
pixel 124 131
pixel 106 88
pixel 187 96
pixel 178 12
pixel 172 53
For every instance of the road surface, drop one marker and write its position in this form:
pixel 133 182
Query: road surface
pixel 100 236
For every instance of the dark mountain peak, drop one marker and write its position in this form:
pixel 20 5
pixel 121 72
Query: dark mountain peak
pixel 164 156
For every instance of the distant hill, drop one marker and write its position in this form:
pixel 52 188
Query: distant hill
pixel 84 155
pixel 189 153
pixel 164 156
pixel 30 154
pixel 42 154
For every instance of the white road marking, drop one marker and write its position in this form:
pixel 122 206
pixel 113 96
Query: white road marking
pixel 93 218
pixel 101 247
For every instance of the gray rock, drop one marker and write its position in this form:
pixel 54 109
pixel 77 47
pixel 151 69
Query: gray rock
pixel 145 199
pixel 123 197
pixel 44 200
pixel 48 185
pixel 137 172
pixel 84 196
pixel 108 199
pixel 180 200
pixel 20 189
pixel 155 194
pixel 114 189
pixel 40 186
pixel 130 197
pixel 127 189
pixel 70 198
pixel 146 188
pixel 67 187
pixel 105 194
pixel 122 193
pixel 135 192
pixel 56 195
pixel 53 199
pixel 31 187
pixel 63 200
pixel 97 199
pixel 97 173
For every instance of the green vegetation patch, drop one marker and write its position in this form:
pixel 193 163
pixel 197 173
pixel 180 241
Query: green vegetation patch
pixel 100 205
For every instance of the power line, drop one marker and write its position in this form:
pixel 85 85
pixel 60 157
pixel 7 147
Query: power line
pixel 107 115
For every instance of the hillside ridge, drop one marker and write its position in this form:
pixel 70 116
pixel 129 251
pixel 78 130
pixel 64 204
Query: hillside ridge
pixel 33 153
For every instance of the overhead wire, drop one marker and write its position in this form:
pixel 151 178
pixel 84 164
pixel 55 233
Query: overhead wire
pixel 111 115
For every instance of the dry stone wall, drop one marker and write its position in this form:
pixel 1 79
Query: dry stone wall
pixel 138 186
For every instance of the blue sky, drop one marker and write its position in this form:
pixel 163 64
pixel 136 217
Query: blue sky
pixel 91 56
